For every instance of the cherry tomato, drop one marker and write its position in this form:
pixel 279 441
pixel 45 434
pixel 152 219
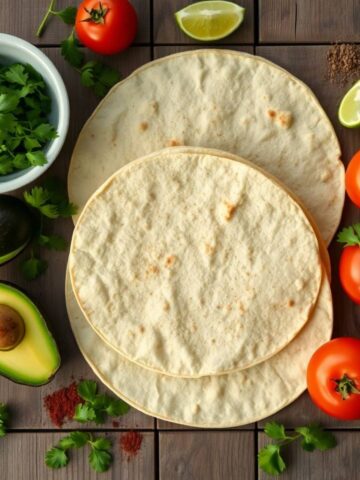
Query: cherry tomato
pixel 333 378
pixel 349 272
pixel 352 179
pixel 106 27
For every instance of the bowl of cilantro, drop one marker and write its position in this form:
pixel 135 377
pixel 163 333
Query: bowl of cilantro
pixel 34 113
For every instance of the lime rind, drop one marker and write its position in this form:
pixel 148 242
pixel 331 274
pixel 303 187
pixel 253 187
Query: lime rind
pixel 224 8
pixel 349 109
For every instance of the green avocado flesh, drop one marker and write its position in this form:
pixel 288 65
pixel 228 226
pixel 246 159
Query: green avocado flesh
pixel 35 358
pixel 17 226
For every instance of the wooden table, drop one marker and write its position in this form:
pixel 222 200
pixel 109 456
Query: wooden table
pixel 294 34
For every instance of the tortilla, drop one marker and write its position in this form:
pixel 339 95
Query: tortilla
pixel 219 99
pixel 210 402
pixel 191 264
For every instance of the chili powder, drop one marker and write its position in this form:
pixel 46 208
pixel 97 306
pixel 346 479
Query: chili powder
pixel 130 443
pixel 61 404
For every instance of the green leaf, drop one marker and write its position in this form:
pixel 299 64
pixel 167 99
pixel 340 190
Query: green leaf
pixel 350 235
pixel 7 122
pixel 117 407
pixel 100 416
pixel 6 165
pixel 49 211
pixel 275 430
pixel 68 15
pixel 67 209
pixel 33 267
pixel 8 102
pixel 109 76
pixel 36 158
pixel 100 460
pixel 31 143
pixel 75 440
pixel 70 51
pixel 20 161
pixel 308 447
pixel 56 458
pixel 4 413
pixel 316 436
pixel 2 430
pixel 101 401
pixel 101 443
pixel 270 460
pixel 53 242
pixel 16 74
pixel 87 77
pixel 45 132
pixel 37 197
pixel 87 389
pixel 84 413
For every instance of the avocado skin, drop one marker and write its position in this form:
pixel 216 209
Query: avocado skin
pixel 17 227
pixel 52 348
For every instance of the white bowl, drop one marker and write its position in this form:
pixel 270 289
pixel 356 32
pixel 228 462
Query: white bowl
pixel 16 50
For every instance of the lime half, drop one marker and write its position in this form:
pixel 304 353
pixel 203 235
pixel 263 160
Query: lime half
pixel 211 20
pixel 349 110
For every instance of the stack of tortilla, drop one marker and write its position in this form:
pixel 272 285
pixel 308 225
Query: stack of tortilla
pixel 198 279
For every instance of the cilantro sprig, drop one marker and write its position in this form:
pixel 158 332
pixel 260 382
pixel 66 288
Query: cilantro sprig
pixel 312 437
pixel 93 74
pixel 96 405
pixel 100 457
pixel 50 201
pixel 350 236
pixel 4 419
pixel 24 126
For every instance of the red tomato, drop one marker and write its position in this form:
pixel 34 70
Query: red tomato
pixel 333 378
pixel 106 27
pixel 352 179
pixel 349 272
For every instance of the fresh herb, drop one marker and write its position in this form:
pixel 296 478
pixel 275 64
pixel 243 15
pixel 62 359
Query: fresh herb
pixel 94 74
pixel 24 109
pixel 312 437
pixel 51 201
pixel 97 406
pixel 350 236
pixel 4 419
pixel 100 457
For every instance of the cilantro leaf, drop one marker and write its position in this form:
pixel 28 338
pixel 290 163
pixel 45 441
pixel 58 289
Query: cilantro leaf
pixel 270 460
pixel 16 74
pixel 4 419
pixel 37 197
pixel 53 242
pixel 101 443
pixel 84 413
pixel 99 77
pixel 30 143
pixel 276 431
pixel 45 132
pixel 36 158
pixel 75 440
pixel 8 102
pixel 117 407
pixel 71 52
pixel 67 15
pixel 350 235
pixel 33 267
pixel 56 458
pixel 317 437
pixel 87 390
pixel 100 460
pixel 67 209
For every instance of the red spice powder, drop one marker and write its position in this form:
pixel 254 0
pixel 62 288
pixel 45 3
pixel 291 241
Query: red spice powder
pixel 130 443
pixel 61 404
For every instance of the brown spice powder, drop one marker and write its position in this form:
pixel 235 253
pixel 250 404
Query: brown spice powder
pixel 343 63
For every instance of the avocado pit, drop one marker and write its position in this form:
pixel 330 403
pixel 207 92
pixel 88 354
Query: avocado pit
pixel 12 328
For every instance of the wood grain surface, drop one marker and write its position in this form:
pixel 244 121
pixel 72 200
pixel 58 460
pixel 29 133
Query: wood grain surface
pixel 171 451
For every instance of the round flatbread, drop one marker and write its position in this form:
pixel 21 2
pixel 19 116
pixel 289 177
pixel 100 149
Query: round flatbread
pixel 181 253
pixel 210 402
pixel 220 99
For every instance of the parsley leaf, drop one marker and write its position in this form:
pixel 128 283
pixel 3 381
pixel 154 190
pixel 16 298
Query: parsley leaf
pixel 275 430
pixel 101 443
pixel 36 158
pixel 75 440
pixel 87 389
pixel 100 460
pixel 53 242
pixel 350 235
pixel 71 52
pixel 33 267
pixel 315 436
pixel 8 102
pixel 84 413
pixel 270 460
pixel 16 74
pixel 56 458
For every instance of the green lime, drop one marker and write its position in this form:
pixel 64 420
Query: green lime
pixel 210 20
pixel 349 110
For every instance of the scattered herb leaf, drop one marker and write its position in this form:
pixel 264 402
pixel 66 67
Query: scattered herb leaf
pixel 33 267
pixel 53 242
pixel 100 460
pixel 56 458
pixel 350 235
pixel 4 419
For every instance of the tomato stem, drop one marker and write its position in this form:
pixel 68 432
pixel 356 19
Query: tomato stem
pixel 45 19
pixel 96 15
pixel 346 386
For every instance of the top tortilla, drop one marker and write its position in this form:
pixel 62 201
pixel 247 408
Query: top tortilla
pixel 219 99
pixel 181 253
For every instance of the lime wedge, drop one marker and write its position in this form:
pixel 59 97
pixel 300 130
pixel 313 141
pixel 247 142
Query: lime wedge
pixel 349 110
pixel 210 20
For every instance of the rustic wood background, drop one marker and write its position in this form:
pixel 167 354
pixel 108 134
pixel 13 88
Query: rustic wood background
pixel 294 34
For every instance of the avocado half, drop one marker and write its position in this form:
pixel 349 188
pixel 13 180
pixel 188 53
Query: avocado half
pixel 28 352
pixel 17 227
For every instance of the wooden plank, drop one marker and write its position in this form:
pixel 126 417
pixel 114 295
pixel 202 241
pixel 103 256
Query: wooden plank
pixel 23 18
pixel 306 21
pixel 167 31
pixel 48 290
pixel 343 462
pixel 309 64
pixel 31 448
pixel 206 455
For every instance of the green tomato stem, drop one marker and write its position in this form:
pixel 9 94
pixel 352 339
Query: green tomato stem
pixel 45 19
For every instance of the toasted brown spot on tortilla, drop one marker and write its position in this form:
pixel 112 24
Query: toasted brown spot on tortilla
pixel 326 175
pixel 174 142
pixel 142 328
pixel 291 302
pixel 169 262
pixel 209 249
pixel 271 113
pixel 166 306
pixel 285 119
pixel 230 210
pixel 143 126
pixel 153 269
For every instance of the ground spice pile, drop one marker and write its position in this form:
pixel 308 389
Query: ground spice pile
pixel 130 443
pixel 61 404
pixel 343 61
